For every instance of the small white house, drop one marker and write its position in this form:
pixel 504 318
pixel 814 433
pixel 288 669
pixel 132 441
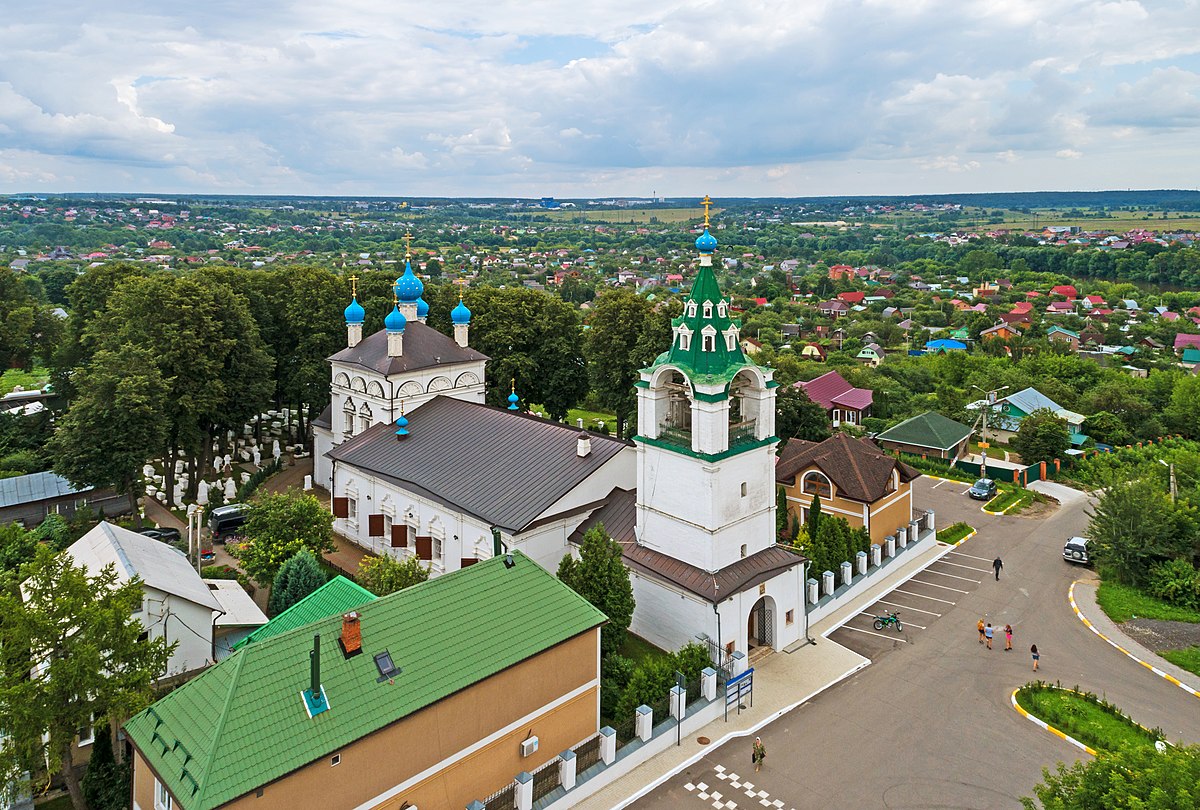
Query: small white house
pixel 177 604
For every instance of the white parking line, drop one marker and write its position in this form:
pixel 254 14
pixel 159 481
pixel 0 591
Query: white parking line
pixel 964 554
pixel 938 484
pixel 965 491
pixel 923 596
pixel 906 624
pixel 872 633
pixel 953 576
pixel 935 585
pixel 909 607
pixel 968 567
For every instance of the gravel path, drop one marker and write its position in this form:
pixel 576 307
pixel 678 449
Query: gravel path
pixel 1160 635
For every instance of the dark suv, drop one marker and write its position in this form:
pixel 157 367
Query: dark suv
pixel 226 520
pixel 165 535
pixel 1076 551
pixel 983 490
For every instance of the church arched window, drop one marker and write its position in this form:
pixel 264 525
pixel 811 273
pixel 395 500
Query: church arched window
pixel 364 417
pixel 722 309
pixel 348 418
pixel 708 309
pixel 691 309
pixel 685 340
pixel 710 343
pixel 730 340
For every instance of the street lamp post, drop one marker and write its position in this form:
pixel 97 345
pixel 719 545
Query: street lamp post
pixel 989 400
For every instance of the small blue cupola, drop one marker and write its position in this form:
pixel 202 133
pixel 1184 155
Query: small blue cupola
pixel 513 399
pixel 401 427
pixel 422 310
pixel 395 320
pixel 706 242
pixel 355 312
pixel 460 314
pixel 408 287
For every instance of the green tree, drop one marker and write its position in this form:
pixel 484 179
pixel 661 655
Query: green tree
pixel 1135 525
pixel 1183 414
pixel 797 416
pixel 279 526
pixel 106 785
pixel 297 578
pixel 122 388
pixel 1131 778
pixel 1107 428
pixel 600 576
pixel 75 629
pixel 17 547
pixel 625 334
pixel 814 515
pixel 1042 436
pixel 385 574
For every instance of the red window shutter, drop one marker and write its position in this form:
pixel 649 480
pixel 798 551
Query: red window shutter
pixel 425 548
pixel 375 526
pixel 399 535
pixel 468 561
pixel 341 507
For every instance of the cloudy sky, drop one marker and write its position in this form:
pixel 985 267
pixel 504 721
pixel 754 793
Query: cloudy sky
pixel 603 97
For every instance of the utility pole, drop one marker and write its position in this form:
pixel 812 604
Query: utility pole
pixel 1174 490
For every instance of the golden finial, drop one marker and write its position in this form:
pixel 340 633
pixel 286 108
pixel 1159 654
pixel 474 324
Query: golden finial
pixel 461 283
pixel 395 299
pixel 408 245
pixel 513 384
pixel 707 203
pixel 353 286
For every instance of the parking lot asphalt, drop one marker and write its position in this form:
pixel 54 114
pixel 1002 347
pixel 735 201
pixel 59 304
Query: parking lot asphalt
pixel 929 723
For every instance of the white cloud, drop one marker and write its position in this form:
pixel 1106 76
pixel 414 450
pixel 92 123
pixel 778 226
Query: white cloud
pixel 507 97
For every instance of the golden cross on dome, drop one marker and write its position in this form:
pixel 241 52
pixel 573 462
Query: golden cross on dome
pixel 462 284
pixel 408 245
pixel 353 286
pixel 707 203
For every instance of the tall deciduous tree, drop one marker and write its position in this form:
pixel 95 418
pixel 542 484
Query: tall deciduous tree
pixel 1042 436
pixel 798 417
pixel 1135 525
pixel 625 334
pixel 115 424
pixel 1183 414
pixel 385 574
pixel 297 578
pixel 1131 777
pixel 600 577
pixel 279 526
pixel 74 630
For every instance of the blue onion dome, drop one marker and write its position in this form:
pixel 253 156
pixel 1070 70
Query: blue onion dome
pixel 402 426
pixel 422 308
pixel 408 287
pixel 395 320
pixel 355 312
pixel 460 314
pixel 706 242
pixel 513 399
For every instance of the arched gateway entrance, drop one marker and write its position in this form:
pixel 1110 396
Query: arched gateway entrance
pixel 760 624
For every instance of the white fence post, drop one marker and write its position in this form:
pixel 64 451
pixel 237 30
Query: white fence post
pixel 608 745
pixel 524 791
pixel 827 583
pixel 902 537
pixel 876 555
pixel 739 662
pixel 678 702
pixel 847 573
pixel 708 683
pixel 889 546
pixel 814 594
pixel 566 769
pixel 860 562
pixel 644 722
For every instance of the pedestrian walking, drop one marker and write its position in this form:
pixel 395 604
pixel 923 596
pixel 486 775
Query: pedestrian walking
pixel 987 633
pixel 758 754
pixel 997 564
pixel 1007 637
pixel 1034 652
pixel 979 627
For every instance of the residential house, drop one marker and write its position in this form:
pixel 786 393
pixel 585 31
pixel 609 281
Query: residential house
pixel 842 401
pixel 1001 331
pixel 1186 341
pixel 944 345
pixel 841 272
pixel 854 479
pixel 437 695
pixel 812 351
pixel 1067 291
pixel 986 290
pixel 28 499
pixel 1005 419
pixel 870 355
pixel 928 434
pixel 833 309
pixel 337 596
pixel 751 346
pixel 178 604
pixel 239 616
pixel 1093 301
pixel 852 297
pixel 1060 308
pixel 1056 334
pixel 1190 359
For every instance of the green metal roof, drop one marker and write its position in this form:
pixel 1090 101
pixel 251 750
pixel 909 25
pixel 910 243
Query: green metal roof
pixel 334 598
pixel 929 429
pixel 243 723
pixel 1191 355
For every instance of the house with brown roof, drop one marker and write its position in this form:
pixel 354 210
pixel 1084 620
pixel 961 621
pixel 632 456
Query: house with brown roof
pixel 854 479
pixel 833 309
pixel 1001 331
pixel 812 351
pixel 841 400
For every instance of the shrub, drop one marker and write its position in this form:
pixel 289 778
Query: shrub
pixel 1177 582
pixel 385 574
pixel 218 572
pixel 22 462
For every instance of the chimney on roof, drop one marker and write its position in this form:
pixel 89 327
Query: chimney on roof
pixel 584 445
pixel 351 639
pixel 314 696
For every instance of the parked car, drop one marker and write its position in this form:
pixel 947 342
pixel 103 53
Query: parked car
pixel 165 535
pixel 983 490
pixel 1076 551
pixel 226 520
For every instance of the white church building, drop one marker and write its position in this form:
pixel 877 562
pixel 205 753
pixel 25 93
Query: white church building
pixel 417 464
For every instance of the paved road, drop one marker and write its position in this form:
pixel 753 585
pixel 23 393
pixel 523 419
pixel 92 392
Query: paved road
pixel 930 724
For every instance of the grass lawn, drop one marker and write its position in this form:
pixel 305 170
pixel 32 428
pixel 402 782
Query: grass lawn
pixel 1082 717
pixel 953 533
pixel 1188 658
pixel 57 803
pixel 590 419
pixel 638 649
pixel 1011 501
pixel 28 380
pixel 632 215
pixel 1123 602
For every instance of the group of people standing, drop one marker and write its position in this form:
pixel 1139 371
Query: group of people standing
pixel 987 632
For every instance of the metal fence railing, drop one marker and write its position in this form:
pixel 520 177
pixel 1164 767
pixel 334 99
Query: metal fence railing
pixel 545 779
pixel 503 799
pixel 587 753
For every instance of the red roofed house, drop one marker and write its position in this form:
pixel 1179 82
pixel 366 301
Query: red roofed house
pixel 841 400
pixel 1018 318
pixel 1094 300
pixel 841 271
pixel 1067 291
pixel 1182 341
pixel 1060 308
pixel 852 297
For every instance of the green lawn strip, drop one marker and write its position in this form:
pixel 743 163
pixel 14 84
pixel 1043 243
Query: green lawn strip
pixel 638 649
pixel 29 380
pixel 1124 602
pixel 954 533
pixel 1188 658
pixel 1090 720
pixel 1013 499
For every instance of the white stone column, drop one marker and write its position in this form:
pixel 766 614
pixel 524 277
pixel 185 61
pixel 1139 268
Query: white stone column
pixel 708 683
pixel 847 573
pixel 876 555
pixel 644 722
pixel 476 805
pixel 608 745
pixel 814 593
pixel 566 769
pixel 739 662
pixel 523 791
pixel 932 525
pixel 860 562
pixel 889 546
pixel 902 537
pixel 827 583
pixel 678 702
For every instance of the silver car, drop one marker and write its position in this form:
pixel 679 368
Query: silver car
pixel 1076 551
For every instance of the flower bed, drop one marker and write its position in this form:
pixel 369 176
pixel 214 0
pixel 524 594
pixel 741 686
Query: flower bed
pixel 1091 720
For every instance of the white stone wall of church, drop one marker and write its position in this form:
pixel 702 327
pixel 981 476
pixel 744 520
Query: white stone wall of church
pixel 785 593
pixel 694 510
pixel 322 466
pixel 350 382
pixel 669 618
pixel 619 471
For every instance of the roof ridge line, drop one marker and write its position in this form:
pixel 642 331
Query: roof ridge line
pixel 220 726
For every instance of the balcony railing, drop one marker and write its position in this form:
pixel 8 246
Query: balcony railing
pixel 741 433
